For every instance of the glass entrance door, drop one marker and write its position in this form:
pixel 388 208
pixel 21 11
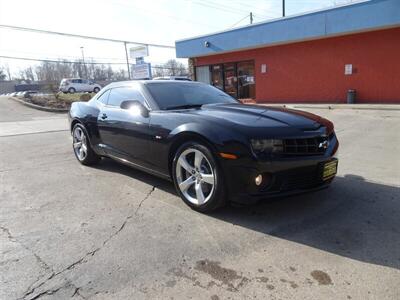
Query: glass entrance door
pixel 246 82
pixel 230 79
pixel 216 77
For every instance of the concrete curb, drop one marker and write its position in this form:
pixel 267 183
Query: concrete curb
pixel 339 106
pixel 35 106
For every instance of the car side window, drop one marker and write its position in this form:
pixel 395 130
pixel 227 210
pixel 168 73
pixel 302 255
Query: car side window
pixel 118 95
pixel 104 97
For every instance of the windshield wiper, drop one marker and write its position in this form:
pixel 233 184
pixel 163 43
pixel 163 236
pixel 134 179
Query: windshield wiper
pixel 185 106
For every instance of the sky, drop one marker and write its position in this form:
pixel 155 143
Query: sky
pixel 152 21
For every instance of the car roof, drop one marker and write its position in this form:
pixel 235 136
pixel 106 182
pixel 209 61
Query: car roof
pixel 144 82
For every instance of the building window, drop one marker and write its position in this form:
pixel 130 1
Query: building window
pixel 230 79
pixel 203 74
pixel 217 79
pixel 236 79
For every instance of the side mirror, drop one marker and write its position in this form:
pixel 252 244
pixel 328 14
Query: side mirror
pixel 135 107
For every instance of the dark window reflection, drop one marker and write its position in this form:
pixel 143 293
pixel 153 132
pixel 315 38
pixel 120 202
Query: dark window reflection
pixel 246 82
pixel 216 77
pixel 230 79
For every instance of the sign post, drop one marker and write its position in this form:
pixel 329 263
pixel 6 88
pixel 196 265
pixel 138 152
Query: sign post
pixel 140 70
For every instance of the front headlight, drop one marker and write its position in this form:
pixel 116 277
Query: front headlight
pixel 267 146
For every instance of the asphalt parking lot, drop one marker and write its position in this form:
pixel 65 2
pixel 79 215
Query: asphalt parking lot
pixel 111 232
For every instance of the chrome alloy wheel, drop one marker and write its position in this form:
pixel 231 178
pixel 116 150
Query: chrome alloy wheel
pixel 195 176
pixel 80 143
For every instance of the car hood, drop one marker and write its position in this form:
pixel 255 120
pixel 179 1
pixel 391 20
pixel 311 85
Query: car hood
pixel 256 117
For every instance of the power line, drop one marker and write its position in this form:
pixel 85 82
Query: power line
pixel 62 61
pixel 270 12
pixel 56 56
pixel 174 18
pixel 240 21
pixel 222 7
pixel 74 62
pixel 82 36
pixel 231 9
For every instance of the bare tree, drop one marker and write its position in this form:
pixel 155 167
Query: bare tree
pixel 29 75
pixel 55 71
pixel 7 69
pixel 158 71
pixel 121 74
pixel 175 68
pixel 2 74
pixel 171 68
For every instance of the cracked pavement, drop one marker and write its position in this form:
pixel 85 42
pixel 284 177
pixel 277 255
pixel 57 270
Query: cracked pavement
pixel 112 232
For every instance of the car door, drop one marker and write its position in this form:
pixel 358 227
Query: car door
pixel 125 135
pixel 77 84
pixel 84 85
pixel 90 86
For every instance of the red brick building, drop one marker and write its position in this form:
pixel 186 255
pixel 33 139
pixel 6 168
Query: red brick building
pixel 315 57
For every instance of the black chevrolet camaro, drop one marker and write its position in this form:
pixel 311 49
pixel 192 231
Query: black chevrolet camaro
pixel 211 146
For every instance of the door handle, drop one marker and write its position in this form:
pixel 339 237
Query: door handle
pixel 104 116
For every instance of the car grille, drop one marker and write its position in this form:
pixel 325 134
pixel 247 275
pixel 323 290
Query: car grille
pixel 306 146
pixel 297 179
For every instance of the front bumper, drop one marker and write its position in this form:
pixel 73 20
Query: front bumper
pixel 281 176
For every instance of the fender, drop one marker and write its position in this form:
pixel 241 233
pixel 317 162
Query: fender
pixel 224 139
pixel 86 114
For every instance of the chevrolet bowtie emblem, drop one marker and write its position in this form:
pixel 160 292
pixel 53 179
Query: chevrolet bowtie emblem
pixel 323 145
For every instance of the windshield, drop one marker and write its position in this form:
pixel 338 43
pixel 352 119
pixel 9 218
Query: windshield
pixel 186 94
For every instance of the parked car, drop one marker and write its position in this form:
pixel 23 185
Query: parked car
pixel 184 78
pixel 210 145
pixel 27 94
pixel 72 85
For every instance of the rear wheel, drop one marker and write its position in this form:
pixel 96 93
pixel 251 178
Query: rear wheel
pixel 81 145
pixel 198 178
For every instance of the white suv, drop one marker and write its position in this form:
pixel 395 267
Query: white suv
pixel 72 85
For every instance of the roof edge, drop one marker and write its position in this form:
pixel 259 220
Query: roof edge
pixel 278 19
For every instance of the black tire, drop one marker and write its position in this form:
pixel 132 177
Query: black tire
pixel 217 198
pixel 71 90
pixel 91 157
pixel 96 90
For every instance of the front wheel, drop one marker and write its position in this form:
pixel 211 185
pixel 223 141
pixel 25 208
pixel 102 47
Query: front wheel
pixel 71 90
pixel 198 178
pixel 81 145
pixel 96 90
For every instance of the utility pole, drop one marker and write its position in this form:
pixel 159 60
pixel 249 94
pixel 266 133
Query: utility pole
pixel 127 61
pixel 283 8
pixel 251 18
pixel 84 65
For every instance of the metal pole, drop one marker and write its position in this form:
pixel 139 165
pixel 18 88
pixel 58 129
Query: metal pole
pixel 251 18
pixel 127 61
pixel 283 8
pixel 84 65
